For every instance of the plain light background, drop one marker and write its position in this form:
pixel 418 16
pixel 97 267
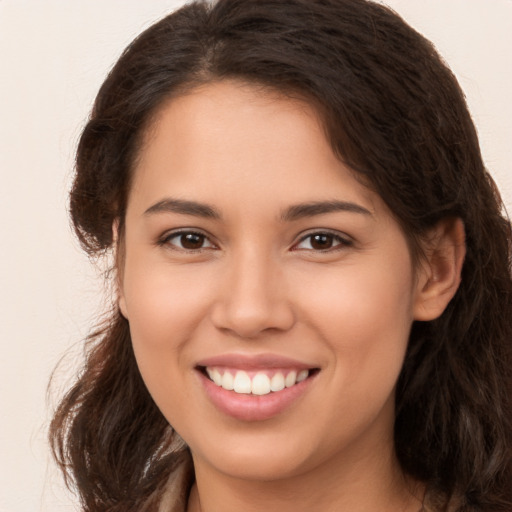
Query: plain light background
pixel 53 58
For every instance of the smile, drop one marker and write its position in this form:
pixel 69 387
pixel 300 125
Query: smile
pixel 255 388
pixel 259 383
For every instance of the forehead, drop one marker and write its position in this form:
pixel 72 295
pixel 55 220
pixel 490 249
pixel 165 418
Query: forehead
pixel 232 132
pixel 218 114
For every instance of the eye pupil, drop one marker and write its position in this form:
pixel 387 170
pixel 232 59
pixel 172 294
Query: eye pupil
pixel 192 241
pixel 321 241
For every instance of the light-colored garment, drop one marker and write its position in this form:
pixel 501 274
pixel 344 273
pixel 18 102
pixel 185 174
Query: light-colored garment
pixel 175 497
pixel 177 489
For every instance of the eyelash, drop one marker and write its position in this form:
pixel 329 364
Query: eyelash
pixel 340 241
pixel 166 240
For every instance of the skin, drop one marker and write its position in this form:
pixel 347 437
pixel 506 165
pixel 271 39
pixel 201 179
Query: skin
pixel 258 285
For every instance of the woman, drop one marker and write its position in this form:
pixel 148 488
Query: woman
pixel 313 306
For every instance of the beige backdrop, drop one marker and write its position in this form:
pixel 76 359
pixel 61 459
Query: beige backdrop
pixel 53 57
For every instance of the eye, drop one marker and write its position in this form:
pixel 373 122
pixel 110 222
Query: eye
pixel 187 241
pixel 322 241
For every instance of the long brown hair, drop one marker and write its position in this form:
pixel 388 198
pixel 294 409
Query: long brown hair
pixel 395 114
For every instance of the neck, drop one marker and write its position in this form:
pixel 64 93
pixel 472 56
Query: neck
pixel 372 482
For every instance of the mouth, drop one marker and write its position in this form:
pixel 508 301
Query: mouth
pixel 255 389
pixel 256 382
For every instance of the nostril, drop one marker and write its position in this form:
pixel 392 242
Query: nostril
pixel 250 321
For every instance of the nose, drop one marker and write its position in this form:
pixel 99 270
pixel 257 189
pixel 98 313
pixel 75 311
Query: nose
pixel 253 297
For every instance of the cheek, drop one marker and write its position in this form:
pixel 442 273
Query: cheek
pixel 165 304
pixel 166 307
pixel 365 322
pixel 364 316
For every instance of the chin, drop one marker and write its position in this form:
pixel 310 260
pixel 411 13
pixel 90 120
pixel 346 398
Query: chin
pixel 258 465
pixel 269 454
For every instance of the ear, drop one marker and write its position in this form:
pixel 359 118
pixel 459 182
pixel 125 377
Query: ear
pixel 119 267
pixel 439 272
pixel 121 302
pixel 122 307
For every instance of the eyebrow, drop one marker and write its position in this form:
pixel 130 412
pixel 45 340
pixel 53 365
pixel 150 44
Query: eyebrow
pixel 299 211
pixel 184 207
pixel 292 213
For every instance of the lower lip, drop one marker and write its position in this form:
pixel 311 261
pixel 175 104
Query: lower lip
pixel 246 407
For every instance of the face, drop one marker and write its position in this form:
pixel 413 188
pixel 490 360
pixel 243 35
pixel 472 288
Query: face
pixel 254 260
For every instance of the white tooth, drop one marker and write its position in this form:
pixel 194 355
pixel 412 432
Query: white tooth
pixel 242 383
pixel 302 375
pixel 209 372
pixel 277 382
pixel 215 376
pixel 260 384
pixel 227 381
pixel 290 379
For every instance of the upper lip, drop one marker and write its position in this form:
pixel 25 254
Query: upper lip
pixel 254 361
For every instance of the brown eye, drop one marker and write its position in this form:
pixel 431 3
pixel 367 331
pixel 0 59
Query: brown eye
pixel 188 241
pixel 192 241
pixel 323 241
